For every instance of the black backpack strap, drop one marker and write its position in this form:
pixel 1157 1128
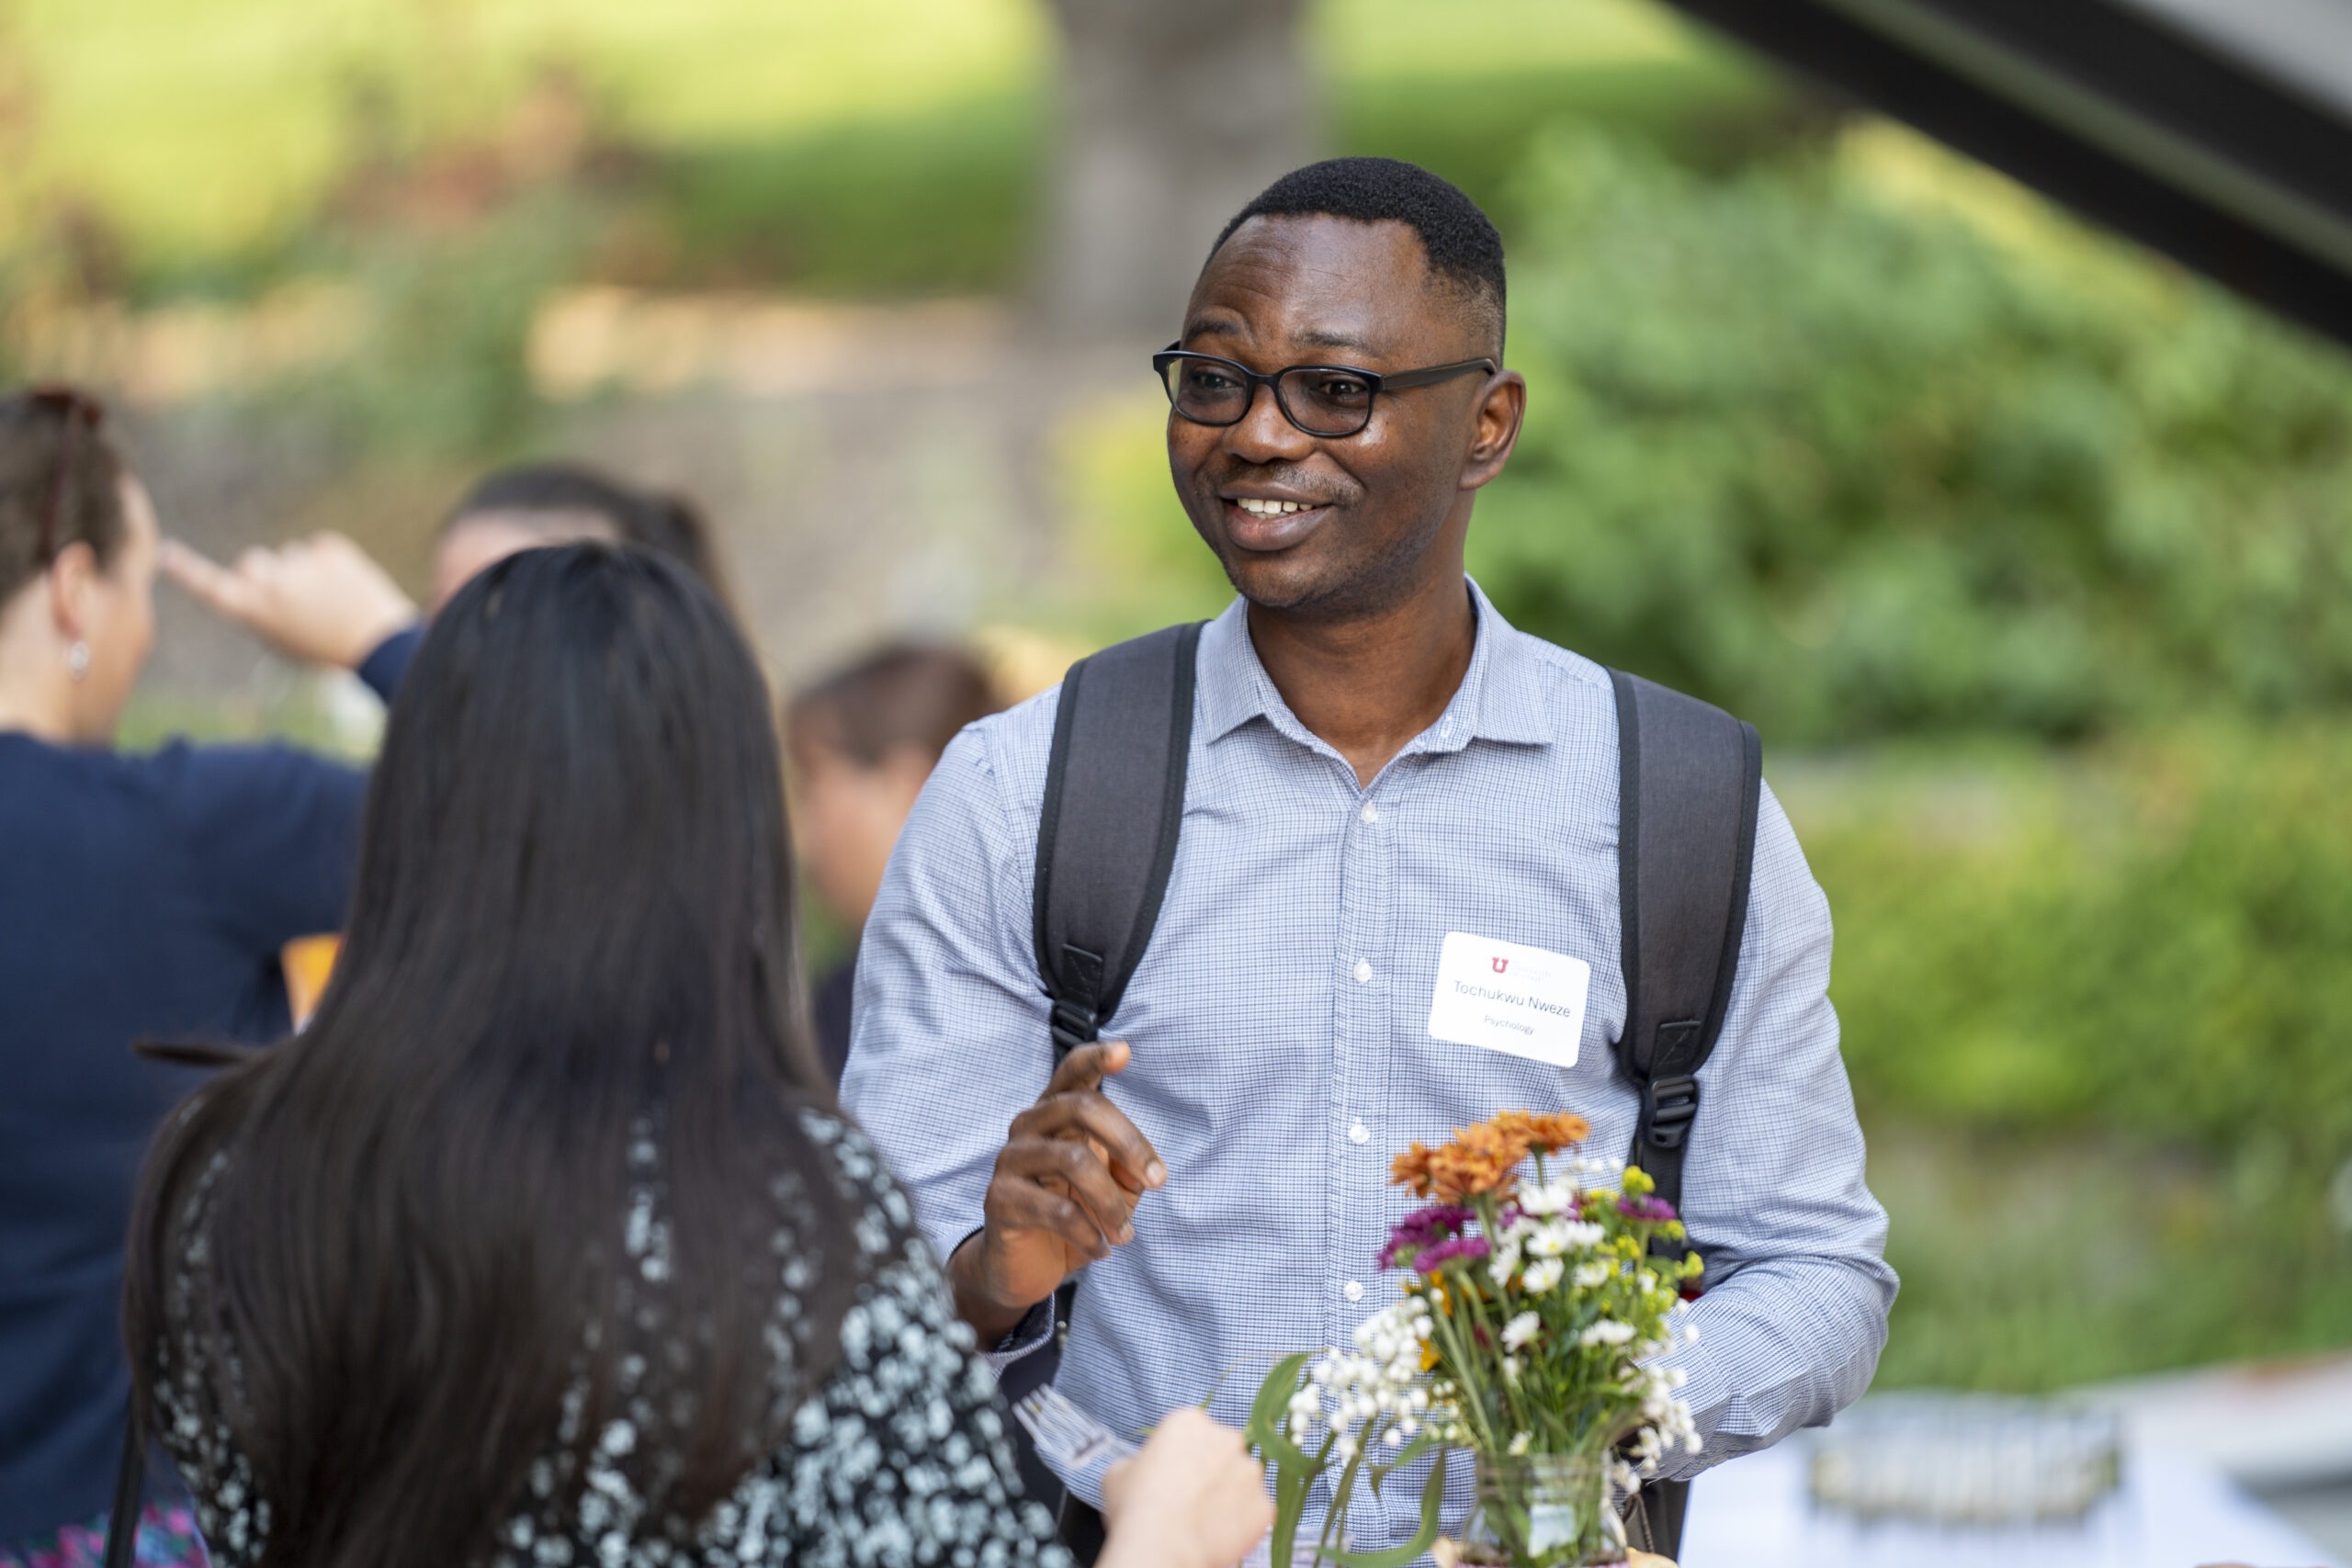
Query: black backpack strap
pixel 1688 780
pixel 1106 840
pixel 1114 808
pixel 1689 777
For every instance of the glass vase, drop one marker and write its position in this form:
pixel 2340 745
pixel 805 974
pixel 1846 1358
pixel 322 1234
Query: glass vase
pixel 1545 1511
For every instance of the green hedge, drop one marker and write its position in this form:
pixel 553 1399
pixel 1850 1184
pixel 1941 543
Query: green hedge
pixel 1843 462
pixel 2097 1010
pixel 2154 937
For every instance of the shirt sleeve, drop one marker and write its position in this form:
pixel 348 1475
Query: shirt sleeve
pixel 386 665
pixel 275 835
pixel 948 1039
pixel 1797 1287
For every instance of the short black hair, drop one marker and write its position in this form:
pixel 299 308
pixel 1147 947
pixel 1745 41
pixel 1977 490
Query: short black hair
pixel 666 523
pixel 1459 239
pixel 906 693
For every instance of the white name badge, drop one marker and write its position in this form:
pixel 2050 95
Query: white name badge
pixel 1508 997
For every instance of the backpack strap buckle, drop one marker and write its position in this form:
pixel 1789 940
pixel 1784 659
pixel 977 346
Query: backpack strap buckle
pixel 1073 1024
pixel 1669 1104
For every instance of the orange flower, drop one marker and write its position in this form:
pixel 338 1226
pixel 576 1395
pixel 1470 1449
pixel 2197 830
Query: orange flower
pixel 1481 1160
pixel 1412 1169
pixel 1541 1133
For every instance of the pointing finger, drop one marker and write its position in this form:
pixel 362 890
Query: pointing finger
pixel 214 585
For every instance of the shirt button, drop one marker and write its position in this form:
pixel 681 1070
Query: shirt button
pixel 1370 813
pixel 1364 972
pixel 1353 1289
pixel 1359 1133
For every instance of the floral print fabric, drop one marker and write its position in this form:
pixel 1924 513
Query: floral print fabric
pixel 901 1458
pixel 168 1539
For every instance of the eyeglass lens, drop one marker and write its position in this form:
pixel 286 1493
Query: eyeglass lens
pixel 1320 400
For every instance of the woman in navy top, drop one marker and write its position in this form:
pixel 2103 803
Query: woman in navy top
pixel 141 897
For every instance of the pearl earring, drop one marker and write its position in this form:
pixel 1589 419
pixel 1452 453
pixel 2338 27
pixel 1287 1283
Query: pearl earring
pixel 77 660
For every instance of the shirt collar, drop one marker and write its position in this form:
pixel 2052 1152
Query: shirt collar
pixel 1500 697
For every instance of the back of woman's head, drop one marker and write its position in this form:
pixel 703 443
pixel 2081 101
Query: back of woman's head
pixel 546 1117
pixel 61 484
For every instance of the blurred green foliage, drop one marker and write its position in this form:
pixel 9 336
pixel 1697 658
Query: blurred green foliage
pixel 2157 938
pixel 210 145
pixel 943 200
pixel 443 369
pixel 1854 465
pixel 2118 987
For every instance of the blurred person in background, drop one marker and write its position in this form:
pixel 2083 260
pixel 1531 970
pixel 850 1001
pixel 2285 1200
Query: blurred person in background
pixel 560 503
pixel 139 896
pixel 543 1242
pixel 517 509
pixel 861 741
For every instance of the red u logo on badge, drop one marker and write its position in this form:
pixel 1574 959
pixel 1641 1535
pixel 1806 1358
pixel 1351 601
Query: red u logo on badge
pixel 1500 964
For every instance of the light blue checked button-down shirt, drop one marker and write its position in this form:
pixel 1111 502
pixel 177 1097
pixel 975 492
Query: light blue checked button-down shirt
pixel 1282 1054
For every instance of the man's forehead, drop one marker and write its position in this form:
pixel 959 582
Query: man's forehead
pixel 1313 281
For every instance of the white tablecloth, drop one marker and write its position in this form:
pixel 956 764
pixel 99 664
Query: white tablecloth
pixel 2171 1512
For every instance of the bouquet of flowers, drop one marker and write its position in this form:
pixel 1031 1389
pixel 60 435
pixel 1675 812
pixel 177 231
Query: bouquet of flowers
pixel 1533 1312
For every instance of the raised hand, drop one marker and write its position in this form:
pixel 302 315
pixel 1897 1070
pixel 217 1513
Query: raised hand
pixel 320 599
pixel 1063 1194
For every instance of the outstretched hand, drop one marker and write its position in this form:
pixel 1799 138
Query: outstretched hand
pixel 321 600
pixel 1191 1498
pixel 1062 1195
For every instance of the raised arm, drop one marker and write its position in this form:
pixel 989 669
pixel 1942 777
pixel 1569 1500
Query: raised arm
pixel 1797 1286
pixel 321 600
pixel 1021 1172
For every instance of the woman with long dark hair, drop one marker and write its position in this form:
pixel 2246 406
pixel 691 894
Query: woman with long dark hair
pixel 541 1242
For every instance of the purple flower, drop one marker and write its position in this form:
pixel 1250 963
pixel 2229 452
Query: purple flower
pixel 1646 1211
pixel 1431 1258
pixel 1424 1227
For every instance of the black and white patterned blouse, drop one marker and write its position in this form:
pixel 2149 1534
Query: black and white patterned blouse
pixel 900 1458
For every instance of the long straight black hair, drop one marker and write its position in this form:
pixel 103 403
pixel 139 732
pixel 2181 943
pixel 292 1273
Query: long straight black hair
pixel 570 943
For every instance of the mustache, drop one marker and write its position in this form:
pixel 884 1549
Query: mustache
pixel 1284 476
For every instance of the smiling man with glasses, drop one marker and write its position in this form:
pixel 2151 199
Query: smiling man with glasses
pixel 1381 775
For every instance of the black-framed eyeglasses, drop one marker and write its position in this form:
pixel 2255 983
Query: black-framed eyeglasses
pixel 1321 399
pixel 75 411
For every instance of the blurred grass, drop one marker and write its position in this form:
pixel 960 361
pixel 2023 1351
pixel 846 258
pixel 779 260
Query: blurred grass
pixel 212 127
pixel 890 149
pixel 281 703
pixel 2032 1264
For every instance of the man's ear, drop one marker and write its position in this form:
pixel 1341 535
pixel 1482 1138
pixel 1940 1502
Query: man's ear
pixel 1494 428
pixel 72 577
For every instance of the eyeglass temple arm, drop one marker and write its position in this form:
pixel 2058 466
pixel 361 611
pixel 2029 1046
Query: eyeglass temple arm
pixel 1437 372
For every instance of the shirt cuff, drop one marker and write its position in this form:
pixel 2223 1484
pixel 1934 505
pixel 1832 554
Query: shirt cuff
pixel 1028 1337
pixel 386 665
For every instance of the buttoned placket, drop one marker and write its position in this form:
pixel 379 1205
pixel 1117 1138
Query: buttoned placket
pixel 1360 1040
